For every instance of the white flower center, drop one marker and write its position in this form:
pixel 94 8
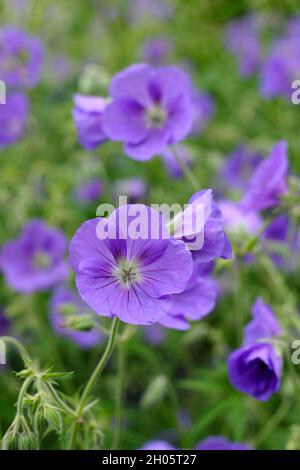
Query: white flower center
pixel 127 272
pixel 156 117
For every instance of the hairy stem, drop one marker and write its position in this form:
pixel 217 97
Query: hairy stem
pixel 119 395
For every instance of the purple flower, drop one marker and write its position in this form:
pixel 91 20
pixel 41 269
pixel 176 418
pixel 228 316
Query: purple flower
pixel 204 110
pixel 170 161
pixel 154 334
pixel 242 38
pixel 34 261
pixel 215 242
pixel 156 50
pixel 194 303
pixel 13 118
pixel 238 221
pixel 4 323
pixel 264 324
pixel 238 168
pixel 281 66
pixel 281 240
pixel 89 192
pixel 269 181
pixel 221 443
pixel 157 444
pixel 21 58
pixel 151 108
pixel 87 115
pixel 255 368
pixel 65 301
pixel 119 273
pixel 134 188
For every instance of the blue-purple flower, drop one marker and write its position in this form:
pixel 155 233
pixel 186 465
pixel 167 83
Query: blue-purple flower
pixel 150 109
pixel 21 58
pixel 237 169
pixel 221 443
pixel 119 273
pixel 242 38
pixel 13 118
pixel 35 261
pixel 157 444
pixel 204 110
pixel 133 188
pixel 269 181
pixel 156 50
pixel 194 303
pixel 237 221
pixel 255 368
pixel 172 166
pixel 215 243
pixel 66 302
pixel 87 115
pixel 89 192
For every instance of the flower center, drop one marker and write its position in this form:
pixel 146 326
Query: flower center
pixel 42 260
pixel 156 117
pixel 127 272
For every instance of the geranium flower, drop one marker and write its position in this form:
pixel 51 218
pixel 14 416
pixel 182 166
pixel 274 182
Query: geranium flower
pixel 125 275
pixel 35 260
pixel 150 109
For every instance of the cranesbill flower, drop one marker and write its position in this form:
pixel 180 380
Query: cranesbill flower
pixel 194 303
pixel 155 51
pixel 151 108
pixel 255 368
pixel 119 273
pixel 269 181
pixel 13 118
pixel 221 443
pixel 133 188
pixel 238 168
pixel 87 115
pixel 35 260
pixel 207 241
pixel 157 444
pixel 21 58
pixel 66 302
pixel 242 38
pixel 89 192
pixel 237 221
pixel 4 323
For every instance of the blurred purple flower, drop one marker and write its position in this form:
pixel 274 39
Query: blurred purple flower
pixel 134 188
pixel 89 192
pixel 269 181
pixel 194 303
pixel 204 110
pixel 238 167
pixel 13 118
pixel 255 368
pixel 4 323
pixel 242 38
pixel 155 51
pixel 65 300
pixel 281 66
pixel 157 444
pixel 34 261
pixel 154 334
pixel 125 276
pixel 21 58
pixel 151 108
pixel 238 221
pixel 87 115
pixel 221 443
pixel 170 161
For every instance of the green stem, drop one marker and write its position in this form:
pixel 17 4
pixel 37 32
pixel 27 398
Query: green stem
pixel 277 417
pixel 21 396
pixel 186 170
pixel 119 395
pixel 19 346
pixel 60 403
pixel 239 300
pixel 92 380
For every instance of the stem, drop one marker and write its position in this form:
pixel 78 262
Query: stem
pixel 21 396
pixel 64 406
pixel 239 300
pixel 186 170
pixel 119 395
pixel 277 417
pixel 19 346
pixel 92 380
